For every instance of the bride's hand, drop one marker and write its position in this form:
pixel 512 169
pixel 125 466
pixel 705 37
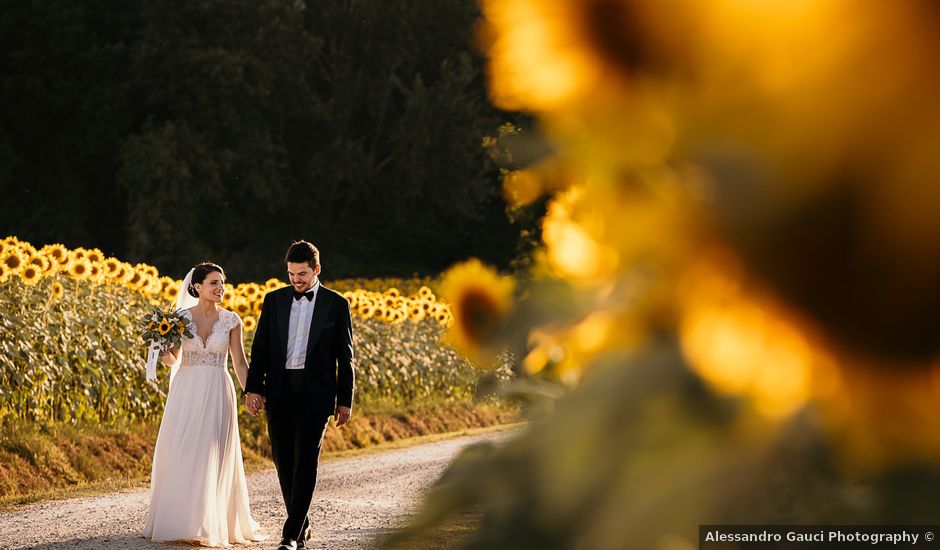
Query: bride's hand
pixel 168 358
pixel 254 403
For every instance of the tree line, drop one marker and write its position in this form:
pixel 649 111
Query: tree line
pixel 175 131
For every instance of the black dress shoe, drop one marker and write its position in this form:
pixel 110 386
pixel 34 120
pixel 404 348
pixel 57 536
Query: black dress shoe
pixel 288 544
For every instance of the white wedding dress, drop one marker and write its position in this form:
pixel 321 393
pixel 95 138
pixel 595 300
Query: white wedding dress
pixel 198 488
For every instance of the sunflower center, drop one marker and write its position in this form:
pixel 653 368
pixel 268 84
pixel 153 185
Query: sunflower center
pixel 479 314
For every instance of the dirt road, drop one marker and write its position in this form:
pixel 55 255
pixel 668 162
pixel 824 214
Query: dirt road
pixel 357 500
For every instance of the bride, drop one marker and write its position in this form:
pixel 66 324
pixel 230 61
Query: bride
pixel 198 488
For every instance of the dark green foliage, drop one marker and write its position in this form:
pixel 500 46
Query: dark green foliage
pixel 172 132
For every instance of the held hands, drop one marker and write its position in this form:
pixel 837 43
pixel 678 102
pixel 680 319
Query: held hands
pixel 254 403
pixel 342 415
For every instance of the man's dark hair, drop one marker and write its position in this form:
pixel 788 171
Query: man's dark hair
pixel 302 251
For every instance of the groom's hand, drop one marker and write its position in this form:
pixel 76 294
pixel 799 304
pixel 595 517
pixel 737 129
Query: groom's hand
pixel 254 403
pixel 342 415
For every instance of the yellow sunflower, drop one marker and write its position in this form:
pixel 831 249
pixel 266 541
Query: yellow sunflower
pixel 481 301
pixel 114 272
pixel 167 286
pixel 273 284
pixel 30 274
pixel 12 261
pixel 95 256
pixel 138 280
pixel 57 253
pixel 27 250
pixel 148 284
pixel 134 278
pixel 58 291
pixel 125 274
pixel 150 280
pixel 95 272
pixel 79 268
pixel 241 307
pixel 153 285
pixel 150 270
pixel 42 263
pixel 365 310
pixel 444 318
pixel 416 312
pixel 112 268
pixel 27 258
pixel 250 323
pixel 380 312
pixel 164 327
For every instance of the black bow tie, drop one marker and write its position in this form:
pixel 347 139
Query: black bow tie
pixel 299 295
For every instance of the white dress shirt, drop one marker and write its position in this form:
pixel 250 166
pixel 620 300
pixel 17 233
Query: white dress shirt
pixel 301 312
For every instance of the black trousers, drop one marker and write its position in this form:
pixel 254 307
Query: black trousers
pixel 296 429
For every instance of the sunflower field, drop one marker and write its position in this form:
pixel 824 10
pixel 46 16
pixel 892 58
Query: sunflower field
pixel 70 349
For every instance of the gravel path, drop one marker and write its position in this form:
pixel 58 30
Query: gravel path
pixel 357 500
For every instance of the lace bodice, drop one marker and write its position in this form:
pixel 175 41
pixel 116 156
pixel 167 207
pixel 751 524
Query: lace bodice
pixel 213 352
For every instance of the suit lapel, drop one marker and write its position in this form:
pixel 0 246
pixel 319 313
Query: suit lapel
pixel 283 318
pixel 321 312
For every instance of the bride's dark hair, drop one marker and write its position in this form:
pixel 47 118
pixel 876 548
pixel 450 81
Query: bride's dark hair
pixel 200 271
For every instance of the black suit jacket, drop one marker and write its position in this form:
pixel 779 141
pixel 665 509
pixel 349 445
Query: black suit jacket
pixel 329 363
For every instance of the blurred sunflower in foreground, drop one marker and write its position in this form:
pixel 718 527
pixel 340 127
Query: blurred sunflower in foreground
pixel 480 300
pixel 738 276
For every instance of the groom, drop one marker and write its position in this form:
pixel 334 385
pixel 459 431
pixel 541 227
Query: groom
pixel 301 372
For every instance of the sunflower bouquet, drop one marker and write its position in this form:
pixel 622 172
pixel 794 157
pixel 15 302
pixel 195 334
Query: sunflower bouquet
pixel 162 330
